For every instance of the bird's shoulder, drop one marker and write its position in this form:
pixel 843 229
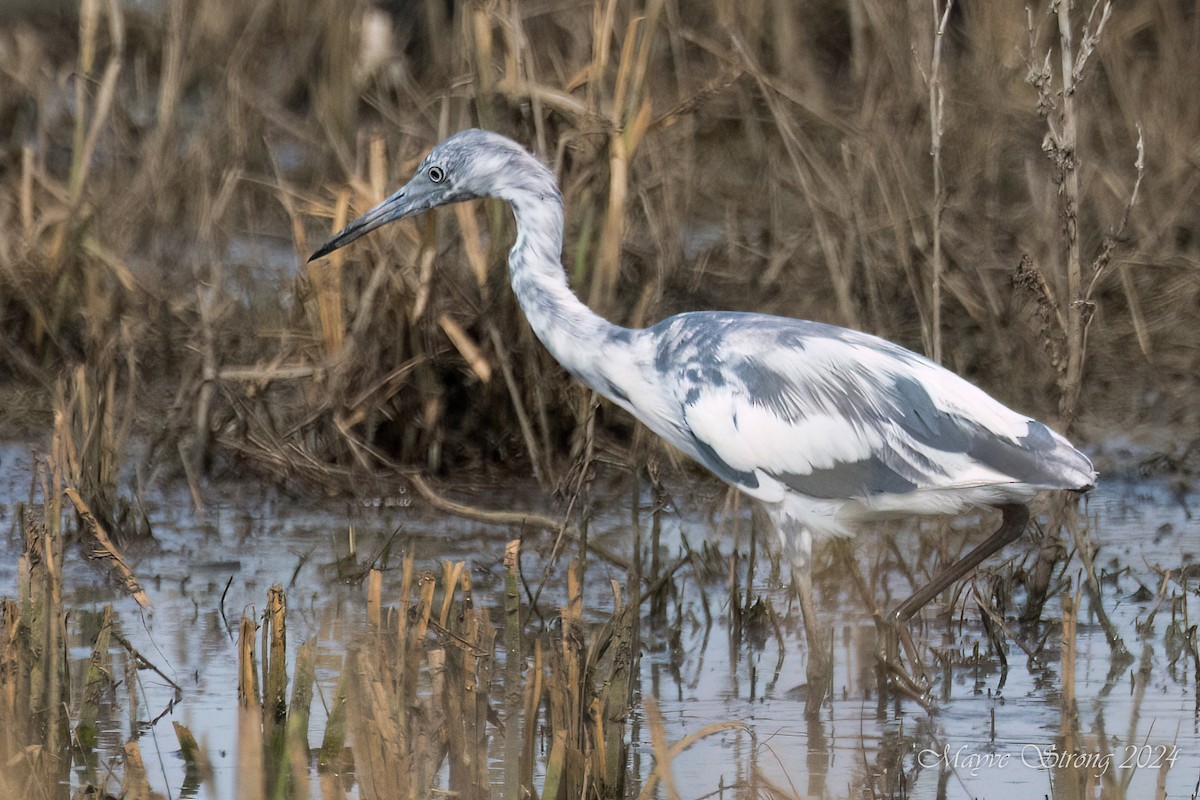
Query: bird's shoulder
pixel 790 366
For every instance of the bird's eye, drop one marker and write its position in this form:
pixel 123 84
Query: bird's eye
pixel 437 174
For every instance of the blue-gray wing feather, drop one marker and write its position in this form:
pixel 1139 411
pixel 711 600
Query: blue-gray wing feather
pixel 793 374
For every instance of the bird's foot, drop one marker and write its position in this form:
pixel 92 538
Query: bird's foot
pixel 893 677
pixel 888 629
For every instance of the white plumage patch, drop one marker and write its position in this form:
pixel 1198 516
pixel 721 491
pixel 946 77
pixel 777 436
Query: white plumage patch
pixel 748 436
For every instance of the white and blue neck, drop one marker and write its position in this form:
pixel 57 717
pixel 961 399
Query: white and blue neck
pixel 576 336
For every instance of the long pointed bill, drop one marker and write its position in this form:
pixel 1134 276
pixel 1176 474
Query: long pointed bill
pixel 404 203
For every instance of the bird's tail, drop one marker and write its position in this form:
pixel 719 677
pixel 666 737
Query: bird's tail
pixel 1076 469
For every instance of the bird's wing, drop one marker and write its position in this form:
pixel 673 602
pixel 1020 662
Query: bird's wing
pixel 836 414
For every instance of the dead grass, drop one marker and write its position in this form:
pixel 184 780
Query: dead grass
pixel 156 205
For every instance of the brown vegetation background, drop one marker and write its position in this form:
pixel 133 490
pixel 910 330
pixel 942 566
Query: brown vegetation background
pixel 166 168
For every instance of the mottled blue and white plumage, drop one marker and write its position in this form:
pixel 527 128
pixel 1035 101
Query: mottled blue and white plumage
pixel 826 427
pixel 830 427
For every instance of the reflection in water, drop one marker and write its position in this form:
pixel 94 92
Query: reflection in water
pixel 724 646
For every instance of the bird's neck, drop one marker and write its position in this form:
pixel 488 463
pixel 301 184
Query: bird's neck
pixel 576 336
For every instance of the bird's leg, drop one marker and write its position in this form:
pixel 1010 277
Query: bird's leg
pixel 796 541
pixel 891 626
pixel 820 667
pixel 1011 528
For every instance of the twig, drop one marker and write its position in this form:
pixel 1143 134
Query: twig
pixel 224 592
pixel 110 550
pixel 505 518
pixel 267 374
pixel 144 663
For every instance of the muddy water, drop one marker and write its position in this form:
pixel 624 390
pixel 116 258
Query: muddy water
pixel 991 732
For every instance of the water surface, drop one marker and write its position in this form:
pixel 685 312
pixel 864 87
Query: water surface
pixel 989 732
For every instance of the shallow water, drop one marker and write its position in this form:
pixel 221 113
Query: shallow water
pixel 990 734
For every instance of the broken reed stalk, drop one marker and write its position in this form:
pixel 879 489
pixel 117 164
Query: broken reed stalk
pixel 15 713
pixel 274 652
pixel 564 704
pixel 134 784
pixel 94 423
pixel 469 665
pixel 325 277
pixel 247 674
pixel 374 598
pixel 273 753
pixel 296 729
pixel 513 663
pixel 37 630
pixel 532 704
pixel 251 755
pixel 97 681
pixel 614 682
pixel 588 697
pixel 1070 780
pixel 274 691
pixel 253 730
pixel 333 741
pixel 1070 619
pixel 196 764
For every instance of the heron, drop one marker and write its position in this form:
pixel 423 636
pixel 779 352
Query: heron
pixel 829 429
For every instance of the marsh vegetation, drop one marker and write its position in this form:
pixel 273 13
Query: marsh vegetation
pixel 1012 191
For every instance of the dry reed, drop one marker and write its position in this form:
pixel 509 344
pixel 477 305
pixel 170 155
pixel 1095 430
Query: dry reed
pixel 710 156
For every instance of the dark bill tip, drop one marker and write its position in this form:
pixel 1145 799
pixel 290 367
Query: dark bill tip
pixel 398 206
pixel 323 251
pixel 345 236
pixel 368 222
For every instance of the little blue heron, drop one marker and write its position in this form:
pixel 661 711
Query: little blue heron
pixel 828 428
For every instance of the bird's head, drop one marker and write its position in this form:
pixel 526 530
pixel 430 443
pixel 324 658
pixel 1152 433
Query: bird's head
pixel 472 163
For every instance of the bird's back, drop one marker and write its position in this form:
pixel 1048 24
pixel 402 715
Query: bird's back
pixel 851 424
